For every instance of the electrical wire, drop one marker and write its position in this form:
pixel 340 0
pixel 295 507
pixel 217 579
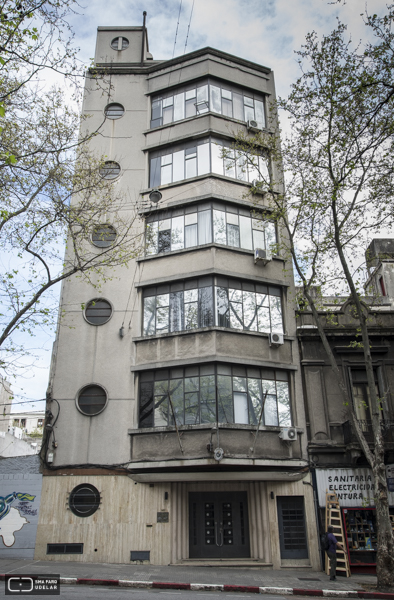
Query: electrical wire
pixel 188 28
pixel 177 25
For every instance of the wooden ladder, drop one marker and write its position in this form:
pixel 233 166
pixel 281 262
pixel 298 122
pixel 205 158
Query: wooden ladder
pixel 333 517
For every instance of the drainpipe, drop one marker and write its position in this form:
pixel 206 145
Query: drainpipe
pixel 143 38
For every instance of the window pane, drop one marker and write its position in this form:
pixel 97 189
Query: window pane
pixel 154 180
pixel 225 399
pixel 255 399
pixel 156 109
pixel 146 404
pixel 276 314
pixel 238 107
pixel 204 227
pixel 216 158
pixel 166 174
pixel 191 315
pixel 233 235
pixel 190 236
pixel 270 234
pixel 236 320
pixel 202 93
pixel 270 411
pixel 263 316
pixel 203 159
pixel 207 399
pixel 191 167
pixel 191 219
pixel 168 115
pixel 232 218
pixel 192 411
pixel 219 227
pixel 192 384
pixel 239 384
pixel 215 104
pixel 227 107
pixel 205 301
pixel 249 113
pixel 248 101
pixel 245 233
pixel 190 107
pixel 259 113
pixel 264 169
pixel 176 396
pixel 149 315
pixel 164 224
pixel 178 165
pixel 226 94
pixel 240 408
pixel 164 241
pixel 258 238
pixel 176 311
pixel 151 238
pixel 250 313
pixel 253 168
pixel 168 101
pixel 166 159
pixel 241 166
pixel 177 233
pixel 222 310
pixel 190 94
pixel 161 411
pixel 179 106
pixel 229 163
pixel 283 403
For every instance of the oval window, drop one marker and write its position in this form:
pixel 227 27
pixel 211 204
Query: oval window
pixel 103 236
pixel 114 111
pixel 119 43
pixel 84 500
pixel 98 311
pixel 110 170
pixel 92 400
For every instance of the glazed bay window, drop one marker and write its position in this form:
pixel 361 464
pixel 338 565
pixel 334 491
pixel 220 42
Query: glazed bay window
pixel 214 393
pixel 209 301
pixel 201 157
pixel 194 225
pixel 208 95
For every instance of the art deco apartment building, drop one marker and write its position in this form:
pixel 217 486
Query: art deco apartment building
pixel 200 399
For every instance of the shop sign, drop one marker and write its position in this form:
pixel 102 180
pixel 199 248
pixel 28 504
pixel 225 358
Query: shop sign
pixel 390 477
pixel 354 487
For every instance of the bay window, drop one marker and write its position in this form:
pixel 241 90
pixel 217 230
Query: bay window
pixel 213 393
pixel 209 301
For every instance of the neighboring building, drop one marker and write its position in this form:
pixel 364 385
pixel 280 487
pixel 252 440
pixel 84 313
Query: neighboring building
pixel 20 484
pixel 338 462
pixel 161 380
pixel 27 422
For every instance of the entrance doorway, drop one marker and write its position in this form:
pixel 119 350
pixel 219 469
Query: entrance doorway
pixel 292 532
pixel 218 525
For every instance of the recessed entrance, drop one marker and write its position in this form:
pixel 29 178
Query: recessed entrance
pixel 218 525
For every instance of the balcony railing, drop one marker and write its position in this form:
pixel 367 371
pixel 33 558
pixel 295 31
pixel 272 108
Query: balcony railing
pixel 350 437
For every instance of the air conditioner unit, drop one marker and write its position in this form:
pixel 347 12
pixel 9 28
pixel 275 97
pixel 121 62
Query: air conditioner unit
pixel 276 339
pixel 288 434
pixel 262 255
pixel 253 126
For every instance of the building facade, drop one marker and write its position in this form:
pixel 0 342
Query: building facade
pixel 337 460
pixel 181 434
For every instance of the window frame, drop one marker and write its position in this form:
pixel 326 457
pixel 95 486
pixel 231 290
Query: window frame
pixel 93 509
pixel 84 387
pixel 146 388
pixel 98 300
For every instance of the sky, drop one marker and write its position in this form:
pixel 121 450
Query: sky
pixel 267 32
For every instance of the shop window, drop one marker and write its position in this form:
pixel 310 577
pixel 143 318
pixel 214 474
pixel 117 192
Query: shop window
pixel 92 400
pixel 205 156
pixel 214 393
pixel 209 301
pixel 194 225
pixel 208 95
pixel 84 500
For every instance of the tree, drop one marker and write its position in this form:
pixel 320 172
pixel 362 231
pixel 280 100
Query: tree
pixel 339 178
pixel 54 192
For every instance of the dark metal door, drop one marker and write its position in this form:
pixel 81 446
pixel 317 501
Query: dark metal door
pixel 292 531
pixel 218 525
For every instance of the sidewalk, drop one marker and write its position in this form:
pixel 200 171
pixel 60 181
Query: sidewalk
pixel 249 579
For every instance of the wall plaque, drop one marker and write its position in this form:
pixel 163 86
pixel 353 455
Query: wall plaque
pixel 162 517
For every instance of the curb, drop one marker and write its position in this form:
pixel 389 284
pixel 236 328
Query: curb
pixel 249 589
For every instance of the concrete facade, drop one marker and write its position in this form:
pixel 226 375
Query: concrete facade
pixel 198 404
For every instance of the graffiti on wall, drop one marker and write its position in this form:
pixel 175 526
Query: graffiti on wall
pixel 12 519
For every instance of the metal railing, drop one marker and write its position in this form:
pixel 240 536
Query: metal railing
pixel 349 434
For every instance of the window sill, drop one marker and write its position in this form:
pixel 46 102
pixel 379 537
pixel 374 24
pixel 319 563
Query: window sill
pixel 260 334
pixel 167 186
pixel 204 247
pixel 210 426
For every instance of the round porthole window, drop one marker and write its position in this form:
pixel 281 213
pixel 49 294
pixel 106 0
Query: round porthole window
pixel 103 236
pixel 120 43
pixel 110 170
pixel 114 111
pixel 92 400
pixel 98 311
pixel 84 500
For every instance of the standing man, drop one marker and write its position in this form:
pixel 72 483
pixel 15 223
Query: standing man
pixel 332 551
